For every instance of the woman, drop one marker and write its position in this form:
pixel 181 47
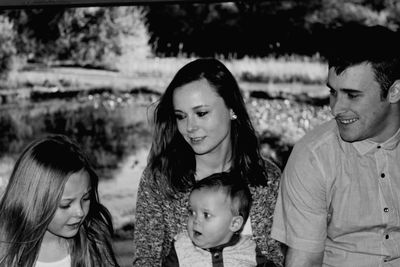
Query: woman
pixel 201 127
pixel 50 211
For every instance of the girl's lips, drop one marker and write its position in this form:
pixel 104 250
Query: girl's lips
pixel 74 225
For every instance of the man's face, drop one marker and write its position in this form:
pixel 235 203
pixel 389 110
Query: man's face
pixel 356 104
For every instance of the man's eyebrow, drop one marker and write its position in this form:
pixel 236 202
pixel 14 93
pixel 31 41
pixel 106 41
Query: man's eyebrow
pixel 345 90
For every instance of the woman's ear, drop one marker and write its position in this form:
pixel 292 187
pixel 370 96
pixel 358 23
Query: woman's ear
pixel 236 223
pixel 233 115
pixel 394 92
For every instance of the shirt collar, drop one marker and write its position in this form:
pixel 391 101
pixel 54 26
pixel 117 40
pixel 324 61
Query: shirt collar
pixel 234 240
pixel 365 146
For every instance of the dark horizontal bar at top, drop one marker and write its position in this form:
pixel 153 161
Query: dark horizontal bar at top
pixel 83 3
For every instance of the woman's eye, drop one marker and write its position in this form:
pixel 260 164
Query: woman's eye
pixel 179 117
pixel 202 113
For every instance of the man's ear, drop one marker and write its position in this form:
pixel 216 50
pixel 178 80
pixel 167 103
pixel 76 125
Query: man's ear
pixel 394 92
pixel 236 223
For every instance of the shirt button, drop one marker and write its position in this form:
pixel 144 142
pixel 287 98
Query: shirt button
pixel 387 236
pixel 378 146
pixel 216 255
pixel 386 209
pixel 382 175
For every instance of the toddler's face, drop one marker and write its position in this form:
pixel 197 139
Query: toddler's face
pixel 210 218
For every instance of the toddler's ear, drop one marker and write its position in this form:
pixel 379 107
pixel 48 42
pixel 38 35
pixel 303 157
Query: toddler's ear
pixel 236 223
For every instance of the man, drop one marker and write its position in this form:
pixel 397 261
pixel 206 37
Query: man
pixel 339 199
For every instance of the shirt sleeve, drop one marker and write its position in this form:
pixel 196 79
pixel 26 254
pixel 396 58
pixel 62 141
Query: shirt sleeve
pixel 149 226
pixel 300 216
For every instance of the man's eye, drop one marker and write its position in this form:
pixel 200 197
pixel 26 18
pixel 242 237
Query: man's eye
pixel 352 95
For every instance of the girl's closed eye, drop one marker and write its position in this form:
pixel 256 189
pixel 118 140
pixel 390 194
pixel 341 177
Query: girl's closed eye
pixel 64 206
pixel 86 197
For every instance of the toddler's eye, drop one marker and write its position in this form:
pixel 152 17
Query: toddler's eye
pixel 207 215
pixel 190 212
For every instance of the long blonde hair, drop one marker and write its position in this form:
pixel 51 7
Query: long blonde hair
pixel 31 199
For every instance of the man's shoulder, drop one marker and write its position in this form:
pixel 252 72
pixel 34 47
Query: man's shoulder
pixel 322 135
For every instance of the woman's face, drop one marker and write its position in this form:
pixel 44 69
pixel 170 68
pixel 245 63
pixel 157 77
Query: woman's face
pixel 73 207
pixel 202 118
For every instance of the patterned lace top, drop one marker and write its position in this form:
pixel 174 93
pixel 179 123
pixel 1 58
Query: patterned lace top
pixel 159 219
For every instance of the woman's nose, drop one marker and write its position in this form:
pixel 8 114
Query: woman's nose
pixel 191 124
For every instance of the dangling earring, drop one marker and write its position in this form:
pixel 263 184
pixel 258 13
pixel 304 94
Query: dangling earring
pixel 233 117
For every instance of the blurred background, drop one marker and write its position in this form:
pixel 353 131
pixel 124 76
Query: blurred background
pixel 94 73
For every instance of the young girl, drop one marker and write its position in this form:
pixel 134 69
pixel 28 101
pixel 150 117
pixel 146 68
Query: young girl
pixel 50 211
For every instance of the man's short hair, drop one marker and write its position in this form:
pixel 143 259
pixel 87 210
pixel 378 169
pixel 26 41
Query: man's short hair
pixel 355 44
pixel 234 187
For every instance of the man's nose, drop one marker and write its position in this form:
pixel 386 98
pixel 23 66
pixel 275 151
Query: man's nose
pixel 338 104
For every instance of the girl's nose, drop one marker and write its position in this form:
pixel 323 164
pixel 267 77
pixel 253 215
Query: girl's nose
pixel 79 212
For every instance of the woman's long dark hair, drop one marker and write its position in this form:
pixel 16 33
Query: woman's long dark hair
pixel 31 199
pixel 171 159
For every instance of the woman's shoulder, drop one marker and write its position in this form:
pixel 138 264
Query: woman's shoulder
pixel 267 191
pixel 271 168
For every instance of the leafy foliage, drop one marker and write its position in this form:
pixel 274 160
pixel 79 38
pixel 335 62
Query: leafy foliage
pixel 7 48
pixel 93 36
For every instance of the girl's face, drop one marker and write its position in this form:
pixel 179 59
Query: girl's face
pixel 73 207
pixel 202 118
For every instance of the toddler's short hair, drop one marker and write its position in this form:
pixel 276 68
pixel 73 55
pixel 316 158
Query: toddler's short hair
pixel 234 187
